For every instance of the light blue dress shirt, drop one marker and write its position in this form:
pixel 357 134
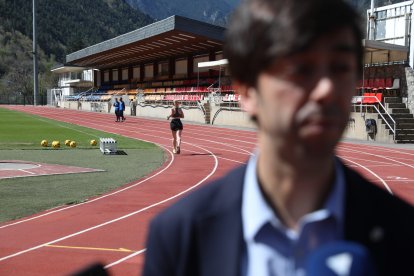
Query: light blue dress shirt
pixel 273 249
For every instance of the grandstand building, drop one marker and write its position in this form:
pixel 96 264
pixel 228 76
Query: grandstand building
pixel 174 58
pixel 181 58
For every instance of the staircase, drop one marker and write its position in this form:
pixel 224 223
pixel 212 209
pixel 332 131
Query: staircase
pixel 404 120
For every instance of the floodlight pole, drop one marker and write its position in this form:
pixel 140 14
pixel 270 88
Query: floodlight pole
pixel 35 75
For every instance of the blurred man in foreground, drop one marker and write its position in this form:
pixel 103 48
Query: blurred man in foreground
pixel 296 64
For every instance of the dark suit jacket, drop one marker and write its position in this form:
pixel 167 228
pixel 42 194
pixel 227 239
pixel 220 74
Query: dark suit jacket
pixel 202 233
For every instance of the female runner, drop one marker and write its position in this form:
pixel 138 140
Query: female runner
pixel 176 125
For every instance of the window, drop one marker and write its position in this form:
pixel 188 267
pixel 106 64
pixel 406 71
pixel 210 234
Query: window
pixel 124 73
pixel 149 71
pixel 136 73
pixel 163 68
pixel 115 74
pixel 181 67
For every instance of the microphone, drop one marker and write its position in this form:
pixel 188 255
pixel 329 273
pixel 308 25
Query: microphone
pixel 340 258
pixel 95 269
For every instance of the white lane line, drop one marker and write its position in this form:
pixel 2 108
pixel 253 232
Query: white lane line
pixel 120 218
pixel 371 172
pixel 232 160
pixel 383 157
pixel 125 258
pixel 376 162
pixel 401 151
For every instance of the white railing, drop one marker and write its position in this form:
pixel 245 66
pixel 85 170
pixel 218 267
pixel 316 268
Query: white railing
pixel 358 101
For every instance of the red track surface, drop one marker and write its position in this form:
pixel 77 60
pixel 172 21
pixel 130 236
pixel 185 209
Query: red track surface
pixel 112 229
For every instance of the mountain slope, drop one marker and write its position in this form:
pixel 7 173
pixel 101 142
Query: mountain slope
pixel 211 11
pixel 66 26
pixel 218 11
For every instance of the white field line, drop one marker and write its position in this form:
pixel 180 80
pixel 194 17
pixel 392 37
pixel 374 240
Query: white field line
pixel 68 127
pixel 117 219
pixel 98 198
pixel 29 172
pixel 46 174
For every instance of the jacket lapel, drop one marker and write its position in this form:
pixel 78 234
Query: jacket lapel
pixel 363 221
pixel 220 229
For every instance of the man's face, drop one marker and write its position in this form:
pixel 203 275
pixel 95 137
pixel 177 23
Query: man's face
pixel 304 99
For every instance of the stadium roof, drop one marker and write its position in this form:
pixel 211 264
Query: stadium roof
pixel 380 52
pixel 173 36
pixel 179 36
pixel 63 68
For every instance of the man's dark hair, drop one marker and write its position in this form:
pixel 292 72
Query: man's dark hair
pixel 261 31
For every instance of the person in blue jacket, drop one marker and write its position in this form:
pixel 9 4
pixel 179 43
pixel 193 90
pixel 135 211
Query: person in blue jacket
pixel 121 109
pixel 116 107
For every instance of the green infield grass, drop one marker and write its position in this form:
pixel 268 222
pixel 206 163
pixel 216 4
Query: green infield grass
pixel 20 137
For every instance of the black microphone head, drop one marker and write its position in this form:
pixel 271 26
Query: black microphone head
pixel 340 258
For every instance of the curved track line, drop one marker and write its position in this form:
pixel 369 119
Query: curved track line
pixel 117 219
pixel 371 172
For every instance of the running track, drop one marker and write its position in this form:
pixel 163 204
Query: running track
pixel 111 229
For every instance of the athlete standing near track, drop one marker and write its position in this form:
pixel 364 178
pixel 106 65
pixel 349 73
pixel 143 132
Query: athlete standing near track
pixel 116 107
pixel 121 109
pixel 296 64
pixel 176 125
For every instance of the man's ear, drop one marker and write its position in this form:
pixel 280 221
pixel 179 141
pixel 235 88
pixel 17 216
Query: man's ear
pixel 248 98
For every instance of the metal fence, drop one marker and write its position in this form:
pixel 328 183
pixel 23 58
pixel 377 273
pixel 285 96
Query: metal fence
pixel 20 99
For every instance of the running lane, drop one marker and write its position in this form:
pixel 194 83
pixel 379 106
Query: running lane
pixel 112 229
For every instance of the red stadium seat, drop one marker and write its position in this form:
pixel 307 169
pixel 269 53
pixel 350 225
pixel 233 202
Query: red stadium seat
pixel 379 97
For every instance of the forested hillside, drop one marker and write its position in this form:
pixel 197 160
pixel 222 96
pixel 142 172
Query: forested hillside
pixel 66 26
pixel 62 27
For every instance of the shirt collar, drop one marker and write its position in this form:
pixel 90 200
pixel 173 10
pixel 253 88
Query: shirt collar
pixel 256 211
